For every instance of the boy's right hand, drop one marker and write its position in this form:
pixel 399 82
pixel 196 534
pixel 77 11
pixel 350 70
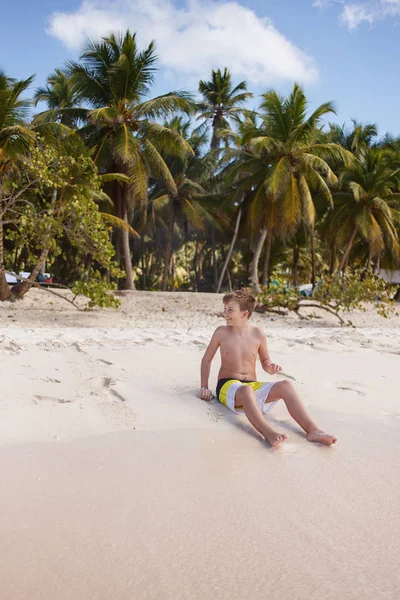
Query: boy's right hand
pixel 206 394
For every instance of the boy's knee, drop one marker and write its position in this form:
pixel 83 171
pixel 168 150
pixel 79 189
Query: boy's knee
pixel 285 385
pixel 244 393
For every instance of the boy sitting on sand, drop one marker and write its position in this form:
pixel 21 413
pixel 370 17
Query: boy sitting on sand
pixel 237 387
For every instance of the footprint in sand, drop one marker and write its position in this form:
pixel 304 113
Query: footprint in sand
pixel 51 399
pixel 106 362
pixel 13 347
pixel 213 415
pixel 108 383
pixel 78 347
pixel 45 379
pixel 348 389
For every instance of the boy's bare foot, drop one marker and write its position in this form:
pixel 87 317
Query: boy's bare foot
pixel 274 438
pixel 321 437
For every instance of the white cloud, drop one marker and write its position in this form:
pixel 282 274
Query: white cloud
pixel 321 3
pixel 194 39
pixel 327 3
pixel 353 14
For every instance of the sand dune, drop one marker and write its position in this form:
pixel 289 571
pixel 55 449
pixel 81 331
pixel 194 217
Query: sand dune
pixel 118 482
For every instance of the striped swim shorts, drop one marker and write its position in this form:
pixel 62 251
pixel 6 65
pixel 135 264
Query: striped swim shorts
pixel 227 388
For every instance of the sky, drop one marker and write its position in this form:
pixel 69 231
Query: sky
pixel 338 50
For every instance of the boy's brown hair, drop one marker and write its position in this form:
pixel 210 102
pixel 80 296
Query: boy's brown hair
pixel 244 298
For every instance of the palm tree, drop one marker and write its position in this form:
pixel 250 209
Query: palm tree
pixel 15 140
pixel 367 204
pixel 286 164
pixel 186 202
pixel 114 78
pixel 15 135
pixel 59 94
pixel 360 136
pixel 221 101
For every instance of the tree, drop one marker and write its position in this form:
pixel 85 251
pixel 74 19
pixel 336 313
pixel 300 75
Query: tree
pixel 367 204
pixel 185 203
pixel 52 198
pixel 15 140
pixel 113 77
pixel 221 101
pixel 286 164
pixel 361 136
pixel 59 94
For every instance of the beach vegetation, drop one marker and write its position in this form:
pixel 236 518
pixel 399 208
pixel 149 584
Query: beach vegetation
pixel 205 193
pixel 337 294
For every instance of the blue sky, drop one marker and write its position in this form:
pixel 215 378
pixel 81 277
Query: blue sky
pixel 341 51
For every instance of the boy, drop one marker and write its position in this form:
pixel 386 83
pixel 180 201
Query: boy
pixel 237 388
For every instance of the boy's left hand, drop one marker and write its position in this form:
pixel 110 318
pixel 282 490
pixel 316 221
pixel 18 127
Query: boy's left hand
pixel 273 369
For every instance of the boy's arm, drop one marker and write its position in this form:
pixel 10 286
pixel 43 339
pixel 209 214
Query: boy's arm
pixel 209 354
pixel 265 358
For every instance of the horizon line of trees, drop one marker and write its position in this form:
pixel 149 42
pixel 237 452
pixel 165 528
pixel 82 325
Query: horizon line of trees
pixel 199 195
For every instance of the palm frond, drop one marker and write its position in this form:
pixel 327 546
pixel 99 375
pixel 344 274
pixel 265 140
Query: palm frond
pixel 307 202
pixel 158 166
pixel 125 145
pixel 118 223
pixel 163 106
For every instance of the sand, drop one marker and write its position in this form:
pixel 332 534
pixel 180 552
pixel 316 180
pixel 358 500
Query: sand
pixel 119 483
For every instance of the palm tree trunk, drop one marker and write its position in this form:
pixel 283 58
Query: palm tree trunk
pixel 214 140
pixel 295 265
pixel 129 283
pixel 332 258
pixel 228 256
pixel 312 259
pixel 5 291
pixel 346 254
pixel 247 268
pixel 229 282
pixel 214 259
pixel 267 257
pixel 168 252
pixel 213 146
pixel 256 259
pixel 196 275
pixel 187 263
pixel 369 260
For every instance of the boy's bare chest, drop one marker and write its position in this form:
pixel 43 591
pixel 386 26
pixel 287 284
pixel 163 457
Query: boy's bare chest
pixel 236 349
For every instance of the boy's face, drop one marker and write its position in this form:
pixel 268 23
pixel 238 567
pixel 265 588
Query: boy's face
pixel 232 313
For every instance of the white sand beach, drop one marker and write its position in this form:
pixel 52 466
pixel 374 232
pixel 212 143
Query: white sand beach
pixel 119 483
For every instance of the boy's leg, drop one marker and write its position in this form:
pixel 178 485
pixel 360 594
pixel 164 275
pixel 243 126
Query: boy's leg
pixel 245 396
pixel 285 390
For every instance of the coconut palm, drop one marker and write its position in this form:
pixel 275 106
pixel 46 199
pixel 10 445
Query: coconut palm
pixel 221 101
pixel 286 164
pixel 59 94
pixel 15 135
pixel 186 204
pixel 361 136
pixel 366 206
pixel 114 78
